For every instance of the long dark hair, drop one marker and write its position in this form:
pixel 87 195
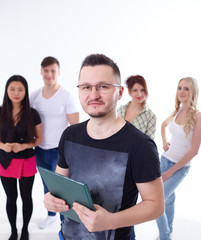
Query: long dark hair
pixel 26 125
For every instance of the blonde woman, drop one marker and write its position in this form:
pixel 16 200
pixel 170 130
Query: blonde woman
pixel 185 127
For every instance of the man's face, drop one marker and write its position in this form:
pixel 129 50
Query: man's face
pixel 50 74
pixel 97 102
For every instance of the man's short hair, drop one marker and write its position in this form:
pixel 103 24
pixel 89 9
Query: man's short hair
pixel 100 59
pixel 49 61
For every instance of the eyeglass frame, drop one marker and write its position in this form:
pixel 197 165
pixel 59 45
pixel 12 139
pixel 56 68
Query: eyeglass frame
pixel 96 85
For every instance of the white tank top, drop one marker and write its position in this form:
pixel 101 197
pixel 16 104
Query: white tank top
pixel 180 144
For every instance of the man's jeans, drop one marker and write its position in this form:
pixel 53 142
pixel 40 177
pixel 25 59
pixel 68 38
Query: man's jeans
pixel 133 233
pixel 46 159
pixel 165 222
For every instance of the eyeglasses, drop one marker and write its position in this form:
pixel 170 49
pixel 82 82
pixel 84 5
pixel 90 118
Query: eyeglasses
pixel 102 87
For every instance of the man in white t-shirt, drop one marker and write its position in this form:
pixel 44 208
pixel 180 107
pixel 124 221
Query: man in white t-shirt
pixel 57 110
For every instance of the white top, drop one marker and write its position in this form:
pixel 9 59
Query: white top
pixel 180 144
pixel 53 112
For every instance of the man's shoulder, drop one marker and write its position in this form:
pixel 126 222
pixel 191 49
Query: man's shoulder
pixel 135 136
pixel 132 130
pixel 75 128
pixel 64 92
pixel 65 96
pixel 35 93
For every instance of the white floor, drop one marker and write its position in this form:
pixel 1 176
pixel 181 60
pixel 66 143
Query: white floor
pixel 187 224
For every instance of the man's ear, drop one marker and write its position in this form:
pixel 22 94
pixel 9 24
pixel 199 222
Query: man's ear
pixel 121 90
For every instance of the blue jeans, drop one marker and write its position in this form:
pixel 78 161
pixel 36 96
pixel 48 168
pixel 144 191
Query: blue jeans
pixel 46 159
pixel 133 233
pixel 165 222
pixel 60 235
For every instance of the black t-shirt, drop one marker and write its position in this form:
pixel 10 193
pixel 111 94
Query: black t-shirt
pixel 17 136
pixel 111 168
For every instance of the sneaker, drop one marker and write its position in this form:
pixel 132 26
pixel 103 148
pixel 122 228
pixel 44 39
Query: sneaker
pixel 47 221
pixel 171 236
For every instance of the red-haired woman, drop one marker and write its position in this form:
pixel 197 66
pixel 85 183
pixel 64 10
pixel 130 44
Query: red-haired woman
pixel 136 111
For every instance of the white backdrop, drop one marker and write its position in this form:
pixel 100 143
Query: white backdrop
pixel 157 39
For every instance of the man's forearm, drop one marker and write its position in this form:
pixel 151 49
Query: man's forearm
pixel 142 212
pixel 151 206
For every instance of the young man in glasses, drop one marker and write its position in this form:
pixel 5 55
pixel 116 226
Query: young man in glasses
pixel 112 157
pixel 57 110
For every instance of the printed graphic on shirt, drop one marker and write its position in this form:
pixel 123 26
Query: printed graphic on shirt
pixel 104 173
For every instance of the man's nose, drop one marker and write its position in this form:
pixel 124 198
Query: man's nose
pixel 94 92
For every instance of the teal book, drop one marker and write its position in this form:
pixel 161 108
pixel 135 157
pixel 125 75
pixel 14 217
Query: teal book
pixel 69 190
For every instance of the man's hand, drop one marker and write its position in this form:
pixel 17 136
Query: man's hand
pixel 54 204
pixel 98 220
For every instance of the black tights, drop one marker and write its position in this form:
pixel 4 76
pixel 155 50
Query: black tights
pixel 10 187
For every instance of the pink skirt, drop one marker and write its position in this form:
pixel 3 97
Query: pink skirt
pixel 20 168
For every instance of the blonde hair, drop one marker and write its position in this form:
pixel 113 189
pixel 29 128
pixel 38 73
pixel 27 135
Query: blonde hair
pixel 192 104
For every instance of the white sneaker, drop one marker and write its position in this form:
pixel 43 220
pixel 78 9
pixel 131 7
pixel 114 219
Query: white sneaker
pixel 47 221
pixel 171 236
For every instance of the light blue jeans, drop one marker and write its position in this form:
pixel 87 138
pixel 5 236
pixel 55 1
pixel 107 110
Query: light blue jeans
pixel 165 222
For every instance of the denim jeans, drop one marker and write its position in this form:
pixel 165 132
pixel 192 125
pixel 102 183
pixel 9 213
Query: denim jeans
pixel 133 233
pixel 165 222
pixel 46 159
pixel 60 235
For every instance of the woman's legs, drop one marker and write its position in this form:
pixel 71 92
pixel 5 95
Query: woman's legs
pixel 26 185
pixel 169 210
pixel 10 187
pixel 166 220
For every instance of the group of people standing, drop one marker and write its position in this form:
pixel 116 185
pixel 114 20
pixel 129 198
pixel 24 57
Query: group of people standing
pixel 94 151
pixel 26 122
pixel 185 127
